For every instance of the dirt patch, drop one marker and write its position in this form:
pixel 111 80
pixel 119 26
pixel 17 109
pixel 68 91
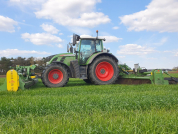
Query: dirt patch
pixel 175 72
pixel 2 76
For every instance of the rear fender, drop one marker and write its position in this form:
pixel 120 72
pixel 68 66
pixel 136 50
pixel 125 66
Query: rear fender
pixel 93 57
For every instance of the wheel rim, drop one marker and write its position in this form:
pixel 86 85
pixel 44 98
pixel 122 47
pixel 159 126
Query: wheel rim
pixel 55 76
pixel 104 71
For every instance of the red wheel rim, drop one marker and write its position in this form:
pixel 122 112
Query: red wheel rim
pixel 55 76
pixel 104 71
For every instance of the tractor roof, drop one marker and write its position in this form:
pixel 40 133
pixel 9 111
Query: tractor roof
pixel 90 37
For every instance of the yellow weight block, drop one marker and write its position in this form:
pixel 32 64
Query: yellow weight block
pixel 32 77
pixel 12 78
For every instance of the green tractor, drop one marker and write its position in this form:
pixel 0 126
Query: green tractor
pixel 90 62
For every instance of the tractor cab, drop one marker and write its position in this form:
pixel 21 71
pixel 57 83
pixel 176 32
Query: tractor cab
pixel 86 46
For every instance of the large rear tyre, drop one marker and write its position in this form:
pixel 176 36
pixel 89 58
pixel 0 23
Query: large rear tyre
pixel 103 70
pixel 55 75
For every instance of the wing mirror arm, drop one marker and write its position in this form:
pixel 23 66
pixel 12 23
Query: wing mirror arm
pixel 75 51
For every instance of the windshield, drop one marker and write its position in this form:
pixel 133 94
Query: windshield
pixel 88 47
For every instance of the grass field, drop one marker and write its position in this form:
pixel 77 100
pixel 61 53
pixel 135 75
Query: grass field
pixel 83 108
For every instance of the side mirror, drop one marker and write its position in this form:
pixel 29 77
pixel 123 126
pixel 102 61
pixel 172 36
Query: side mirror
pixel 71 49
pixel 108 50
pixel 75 39
pixel 74 50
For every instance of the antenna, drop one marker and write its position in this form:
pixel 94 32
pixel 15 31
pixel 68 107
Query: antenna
pixel 97 33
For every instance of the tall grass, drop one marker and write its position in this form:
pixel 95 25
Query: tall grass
pixel 84 108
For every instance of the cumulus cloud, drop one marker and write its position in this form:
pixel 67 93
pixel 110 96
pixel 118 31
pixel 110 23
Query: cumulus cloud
pixel 41 38
pixel 167 51
pixel 16 52
pixel 115 28
pixel 73 13
pixel 120 57
pixel 7 24
pixel 134 49
pixel 49 28
pixel 27 2
pixel 110 39
pixel 59 46
pixel 159 16
pixel 176 54
pixel 85 36
pixel 162 41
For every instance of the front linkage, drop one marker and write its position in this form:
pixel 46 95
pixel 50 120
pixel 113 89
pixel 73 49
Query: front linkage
pixel 21 77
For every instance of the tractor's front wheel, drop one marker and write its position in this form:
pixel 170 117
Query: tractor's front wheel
pixel 55 76
pixel 103 70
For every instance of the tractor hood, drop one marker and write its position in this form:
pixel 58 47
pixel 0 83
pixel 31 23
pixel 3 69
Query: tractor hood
pixel 58 57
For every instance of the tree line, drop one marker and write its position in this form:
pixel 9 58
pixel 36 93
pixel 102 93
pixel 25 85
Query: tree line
pixel 6 63
pixel 175 69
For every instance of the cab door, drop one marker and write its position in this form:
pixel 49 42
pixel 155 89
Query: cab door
pixel 87 48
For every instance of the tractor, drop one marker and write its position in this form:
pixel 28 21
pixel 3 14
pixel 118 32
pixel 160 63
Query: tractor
pixel 89 61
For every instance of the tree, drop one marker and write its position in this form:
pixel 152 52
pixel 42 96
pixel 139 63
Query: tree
pixel 175 68
pixel 5 64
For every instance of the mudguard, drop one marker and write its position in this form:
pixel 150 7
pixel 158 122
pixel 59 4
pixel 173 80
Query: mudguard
pixel 99 54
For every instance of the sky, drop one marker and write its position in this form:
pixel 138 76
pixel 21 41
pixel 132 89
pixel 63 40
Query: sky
pixel 136 31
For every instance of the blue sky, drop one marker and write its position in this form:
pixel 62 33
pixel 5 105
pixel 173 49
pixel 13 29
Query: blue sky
pixel 144 32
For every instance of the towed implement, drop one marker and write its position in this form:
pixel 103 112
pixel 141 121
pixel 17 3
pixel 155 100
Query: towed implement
pixel 88 61
pixel 142 76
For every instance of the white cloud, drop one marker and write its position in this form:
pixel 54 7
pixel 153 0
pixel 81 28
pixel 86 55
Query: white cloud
pixel 73 13
pixel 16 52
pixel 27 2
pixel 24 5
pixel 14 0
pixel 80 30
pixel 167 51
pixel 120 57
pixel 18 28
pixel 7 24
pixel 115 28
pixel 162 41
pixel 60 33
pixel 59 46
pixel 151 58
pixel 159 16
pixel 49 28
pixel 134 49
pixel 176 54
pixel 110 39
pixel 41 38
pixel 85 36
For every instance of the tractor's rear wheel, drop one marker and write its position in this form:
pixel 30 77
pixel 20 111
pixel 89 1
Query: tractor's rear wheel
pixel 103 70
pixel 55 75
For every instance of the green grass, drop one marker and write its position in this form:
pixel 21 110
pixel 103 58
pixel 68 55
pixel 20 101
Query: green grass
pixel 84 108
pixel 172 74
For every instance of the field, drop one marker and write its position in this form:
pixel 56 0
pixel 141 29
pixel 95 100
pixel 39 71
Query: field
pixel 84 108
